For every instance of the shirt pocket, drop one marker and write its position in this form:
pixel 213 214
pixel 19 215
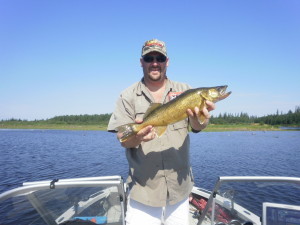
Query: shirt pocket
pixel 140 112
pixel 183 124
pixel 178 133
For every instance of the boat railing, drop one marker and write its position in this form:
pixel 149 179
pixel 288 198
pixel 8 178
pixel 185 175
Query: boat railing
pixel 210 206
pixel 64 183
pixel 107 184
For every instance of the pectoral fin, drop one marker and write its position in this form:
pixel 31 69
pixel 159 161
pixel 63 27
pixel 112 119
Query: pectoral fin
pixel 160 130
pixel 201 118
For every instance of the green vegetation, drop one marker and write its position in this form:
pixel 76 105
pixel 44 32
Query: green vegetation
pixel 223 122
pixel 289 119
pixel 73 122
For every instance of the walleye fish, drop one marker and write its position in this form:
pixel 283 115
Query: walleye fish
pixel 160 116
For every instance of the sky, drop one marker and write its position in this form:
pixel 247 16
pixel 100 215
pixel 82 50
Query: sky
pixel 71 57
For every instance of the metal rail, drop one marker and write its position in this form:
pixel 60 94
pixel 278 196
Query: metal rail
pixel 226 179
pixel 29 188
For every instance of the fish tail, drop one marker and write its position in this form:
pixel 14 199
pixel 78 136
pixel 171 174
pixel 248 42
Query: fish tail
pixel 127 131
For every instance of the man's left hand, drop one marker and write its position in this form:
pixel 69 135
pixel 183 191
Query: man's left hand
pixel 194 115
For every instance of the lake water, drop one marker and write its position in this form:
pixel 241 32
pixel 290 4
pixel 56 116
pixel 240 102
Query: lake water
pixel 31 155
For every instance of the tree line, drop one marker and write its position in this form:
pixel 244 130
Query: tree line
pixel 80 119
pixel 98 119
pixel 290 119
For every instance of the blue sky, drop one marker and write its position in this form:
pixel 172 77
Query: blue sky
pixel 72 57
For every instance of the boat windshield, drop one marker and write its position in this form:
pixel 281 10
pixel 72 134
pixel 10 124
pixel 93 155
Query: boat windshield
pixel 239 200
pixel 74 201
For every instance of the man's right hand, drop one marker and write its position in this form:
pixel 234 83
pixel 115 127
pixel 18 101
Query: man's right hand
pixel 144 135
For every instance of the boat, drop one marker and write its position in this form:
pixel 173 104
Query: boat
pixel 102 200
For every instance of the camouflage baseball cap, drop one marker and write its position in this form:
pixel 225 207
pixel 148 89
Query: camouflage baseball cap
pixel 154 45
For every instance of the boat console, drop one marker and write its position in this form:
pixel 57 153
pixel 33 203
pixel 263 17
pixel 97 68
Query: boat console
pixel 274 213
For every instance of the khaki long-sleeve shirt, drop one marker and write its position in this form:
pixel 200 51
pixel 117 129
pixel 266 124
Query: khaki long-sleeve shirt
pixel 159 170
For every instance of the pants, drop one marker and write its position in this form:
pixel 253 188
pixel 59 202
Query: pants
pixel 140 214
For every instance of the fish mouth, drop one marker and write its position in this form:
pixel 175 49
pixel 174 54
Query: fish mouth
pixel 222 92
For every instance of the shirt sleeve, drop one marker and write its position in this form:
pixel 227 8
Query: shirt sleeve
pixel 123 114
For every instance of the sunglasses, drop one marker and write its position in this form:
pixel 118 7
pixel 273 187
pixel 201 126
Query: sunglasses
pixel 150 58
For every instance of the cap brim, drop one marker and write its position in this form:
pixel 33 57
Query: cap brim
pixel 154 50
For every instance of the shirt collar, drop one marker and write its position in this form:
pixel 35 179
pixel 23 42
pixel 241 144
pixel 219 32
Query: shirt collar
pixel 142 87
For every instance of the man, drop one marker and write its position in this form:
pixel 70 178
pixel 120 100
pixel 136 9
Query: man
pixel 160 178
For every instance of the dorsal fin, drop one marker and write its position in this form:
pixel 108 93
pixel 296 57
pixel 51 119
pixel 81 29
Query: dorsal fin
pixel 151 108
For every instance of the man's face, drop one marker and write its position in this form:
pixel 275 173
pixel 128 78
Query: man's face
pixel 154 66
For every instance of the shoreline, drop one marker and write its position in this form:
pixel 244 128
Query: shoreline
pixel 209 128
